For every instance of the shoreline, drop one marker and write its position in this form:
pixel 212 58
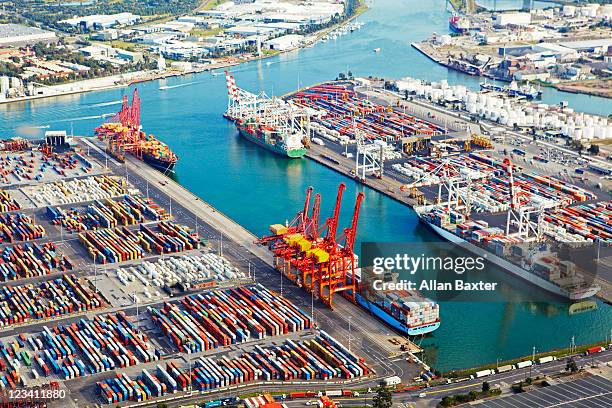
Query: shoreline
pixel 561 87
pixel 118 81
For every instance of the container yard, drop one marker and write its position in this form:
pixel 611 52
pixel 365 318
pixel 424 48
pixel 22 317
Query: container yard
pixel 456 173
pixel 348 115
pixel 57 297
pixel 222 317
pixel 321 357
pixel 42 165
pixel 72 191
pixel 102 279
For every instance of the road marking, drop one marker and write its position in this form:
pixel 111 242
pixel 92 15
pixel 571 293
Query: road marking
pixel 453 389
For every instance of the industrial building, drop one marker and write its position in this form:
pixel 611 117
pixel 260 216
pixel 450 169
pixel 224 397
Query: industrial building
pixel 17 35
pixel 515 19
pixel 285 42
pixel 102 21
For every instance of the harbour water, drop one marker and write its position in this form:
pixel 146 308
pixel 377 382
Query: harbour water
pixel 257 188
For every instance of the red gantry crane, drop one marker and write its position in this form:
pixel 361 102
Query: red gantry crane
pixel 122 131
pixel 318 262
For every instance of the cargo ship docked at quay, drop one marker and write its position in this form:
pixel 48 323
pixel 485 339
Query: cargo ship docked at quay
pixel 123 134
pixel 408 313
pixel 271 139
pixel 577 292
pixel 308 253
pixel 271 123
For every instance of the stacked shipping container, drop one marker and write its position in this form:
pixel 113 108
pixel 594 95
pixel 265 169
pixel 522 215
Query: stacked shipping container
pixel 344 110
pixel 31 259
pixel 57 297
pixel 93 346
pixel 222 317
pixel 321 357
pixel 19 227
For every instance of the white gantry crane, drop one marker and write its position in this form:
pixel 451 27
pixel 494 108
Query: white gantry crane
pixel 284 116
pixel 370 157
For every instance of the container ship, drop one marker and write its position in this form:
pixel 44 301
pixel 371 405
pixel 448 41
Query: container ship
pixel 458 24
pixel 536 266
pixel 407 312
pixel 123 134
pixel 272 123
pixel 157 154
pixel 272 139
pixel 528 92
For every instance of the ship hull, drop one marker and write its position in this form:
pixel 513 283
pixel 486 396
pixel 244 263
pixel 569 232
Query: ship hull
pixel 292 154
pixel 161 165
pixel 393 322
pixel 509 266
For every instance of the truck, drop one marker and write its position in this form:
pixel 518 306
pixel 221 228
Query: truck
pixel 593 350
pixel 505 368
pixel 483 373
pixel 547 359
pixel 524 364
pixel 390 381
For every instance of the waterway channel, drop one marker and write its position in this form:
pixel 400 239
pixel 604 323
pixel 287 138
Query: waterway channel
pixel 257 188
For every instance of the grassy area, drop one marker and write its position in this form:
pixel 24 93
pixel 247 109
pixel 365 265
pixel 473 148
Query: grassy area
pixel 122 45
pixel 206 33
pixel 269 52
pixel 556 353
pixel 458 399
pixel 210 4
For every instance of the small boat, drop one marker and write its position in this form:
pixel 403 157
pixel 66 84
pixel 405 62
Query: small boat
pixel 376 49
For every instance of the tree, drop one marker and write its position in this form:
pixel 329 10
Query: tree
pixel 486 387
pixel 594 149
pixel 383 397
pixel 571 366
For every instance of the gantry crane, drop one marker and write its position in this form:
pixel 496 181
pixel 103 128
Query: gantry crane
pixel 320 263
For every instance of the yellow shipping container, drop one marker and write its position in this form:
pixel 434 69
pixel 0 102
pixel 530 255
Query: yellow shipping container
pixel 303 244
pixel 278 229
pixel 293 238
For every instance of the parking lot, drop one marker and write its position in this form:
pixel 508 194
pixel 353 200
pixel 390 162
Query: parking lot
pixel 593 391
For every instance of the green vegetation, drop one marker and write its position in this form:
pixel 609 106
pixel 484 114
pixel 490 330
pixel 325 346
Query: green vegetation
pixel 571 366
pixel 210 4
pixel 452 400
pixel 556 353
pixel 9 69
pixel 50 12
pixel 383 397
pixel 206 33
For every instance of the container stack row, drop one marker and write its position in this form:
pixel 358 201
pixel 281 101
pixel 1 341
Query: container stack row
pixel 123 244
pixel 345 110
pixel 31 259
pixel 321 357
pixel 112 245
pixel 222 317
pixel 107 214
pixel 19 227
pixel 7 202
pixel 171 238
pixel 13 356
pixel 56 297
pixel 585 222
pixel 74 190
pixel 188 271
pixel 92 346
pixel 148 207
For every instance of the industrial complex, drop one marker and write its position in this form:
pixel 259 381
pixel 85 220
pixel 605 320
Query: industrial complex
pixel 120 287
